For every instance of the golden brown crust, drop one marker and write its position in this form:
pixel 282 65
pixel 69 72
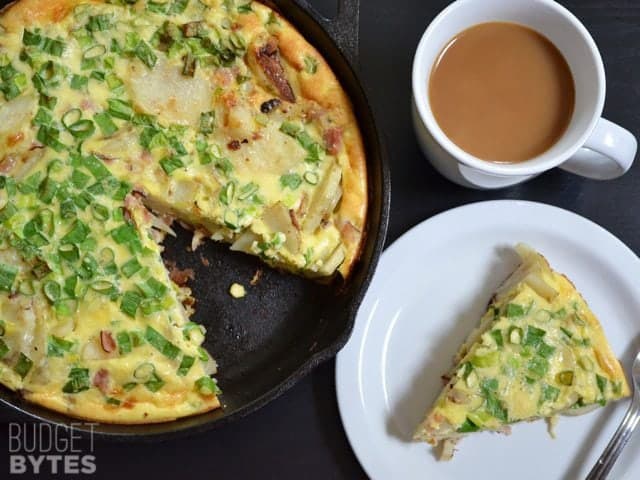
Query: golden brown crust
pixel 25 12
pixel 323 88
pixel 135 414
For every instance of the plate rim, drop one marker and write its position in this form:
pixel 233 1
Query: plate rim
pixel 342 363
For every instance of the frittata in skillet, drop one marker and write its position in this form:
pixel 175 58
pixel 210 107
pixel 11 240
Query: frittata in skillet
pixel 539 351
pixel 215 113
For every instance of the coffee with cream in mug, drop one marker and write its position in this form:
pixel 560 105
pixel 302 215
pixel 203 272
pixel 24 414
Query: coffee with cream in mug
pixel 502 92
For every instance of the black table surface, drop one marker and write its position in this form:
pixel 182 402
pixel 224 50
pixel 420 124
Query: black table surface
pixel 300 434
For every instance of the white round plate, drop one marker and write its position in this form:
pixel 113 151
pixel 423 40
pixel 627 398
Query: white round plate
pixel 430 289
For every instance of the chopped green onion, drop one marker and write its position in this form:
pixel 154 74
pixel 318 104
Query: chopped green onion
pixel 23 366
pixel 468 426
pixel 107 126
pixel 66 307
pixel 53 47
pixel 155 383
pixel 52 290
pixel 113 82
pixel 130 303
pixel 515 335
pixel 245 8
pixel 96 167
pixel 78 380
pixel 31 38
pixel 130 268
pixel 157 7
pixel 47 101
pixel 178 6
pixel 290 180
pixel 67 209
pixel 122 191
pixel 144 52
pixel 77 234
pixel 153 288
pixel 227 193
pixel 120 109
pixel 71 116
pixel 189 327
pixel 160 343
pixel 290 129
pixel 533 337
pixel 104 287
pixel 43 117
pixel 514 310
pixel 78 82
pixel 202 354
pixel 185 365
pixel 310 65
pixel 99 23
pixel 538 366
pixel 487 360
pixel 126 234
pixel 207 386
pixel 94 52
pixel 8 211
pixel 82 129
pixel 113 401
pixel 48 135
pixel 88 267
pixel 8 274
pixel 74 288
pixel 48 190
pixel 124 342
pixel 144 371
pixel 69 252
pixel 127 387
pixel 566 332
pixel 79 179
pixel 311 178
pixel 602 383
pixel 100 212
pixel 170 164
pixel 565 378
pixel 549 393
pixel 4 349
pixel 56 346
pixel 497 336
pixel 545 350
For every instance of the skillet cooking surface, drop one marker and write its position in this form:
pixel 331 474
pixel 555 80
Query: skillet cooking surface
pixel 286 325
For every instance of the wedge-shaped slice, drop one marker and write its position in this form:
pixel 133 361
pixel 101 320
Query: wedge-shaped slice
pixel 91 325
pixel 539 351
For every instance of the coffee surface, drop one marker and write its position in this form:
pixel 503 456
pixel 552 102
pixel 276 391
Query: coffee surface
pixel 502 92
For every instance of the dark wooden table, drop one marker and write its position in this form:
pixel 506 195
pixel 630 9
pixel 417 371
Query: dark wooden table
pixel 300 436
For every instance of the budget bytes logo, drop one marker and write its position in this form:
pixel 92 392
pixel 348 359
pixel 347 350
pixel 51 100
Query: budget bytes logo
pixel 44 449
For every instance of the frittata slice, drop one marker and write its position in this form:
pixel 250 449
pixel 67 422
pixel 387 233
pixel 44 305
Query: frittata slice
pixel 539 351
pixel 91 325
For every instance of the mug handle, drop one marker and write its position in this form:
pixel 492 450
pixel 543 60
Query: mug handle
pixel 608 153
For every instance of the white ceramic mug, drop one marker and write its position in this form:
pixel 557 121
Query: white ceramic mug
pixel 592 146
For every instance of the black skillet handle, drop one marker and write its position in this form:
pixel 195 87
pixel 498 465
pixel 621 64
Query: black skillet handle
pixel 343 29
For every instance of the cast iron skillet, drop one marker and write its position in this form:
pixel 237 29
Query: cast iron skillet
pixel 285 326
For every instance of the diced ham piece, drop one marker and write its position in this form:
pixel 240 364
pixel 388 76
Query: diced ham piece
pixel 101 380
pixel 107 341
pixel 333 140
